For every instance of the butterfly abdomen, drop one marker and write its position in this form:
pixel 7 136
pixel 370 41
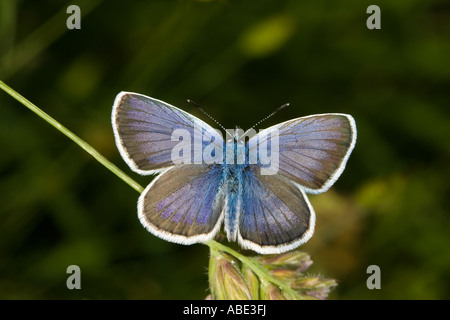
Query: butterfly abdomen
pixel 233 181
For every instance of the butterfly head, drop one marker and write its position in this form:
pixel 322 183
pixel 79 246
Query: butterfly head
pixel 234 136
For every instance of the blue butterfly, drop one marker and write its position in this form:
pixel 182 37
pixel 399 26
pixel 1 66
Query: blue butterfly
pixel 188 201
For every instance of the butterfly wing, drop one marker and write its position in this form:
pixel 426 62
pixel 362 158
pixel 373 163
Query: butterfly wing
pixel 184 204
pixel 143 129
pixel 313 150
pixel 276 215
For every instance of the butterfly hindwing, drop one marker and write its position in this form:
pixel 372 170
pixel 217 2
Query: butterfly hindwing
pixel 276 215
pixel 184 204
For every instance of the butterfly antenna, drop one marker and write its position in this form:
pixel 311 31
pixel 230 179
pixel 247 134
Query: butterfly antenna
pixel 270 115
pixel 200 108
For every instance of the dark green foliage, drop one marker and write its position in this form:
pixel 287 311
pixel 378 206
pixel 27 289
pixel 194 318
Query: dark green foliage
pixel 240 60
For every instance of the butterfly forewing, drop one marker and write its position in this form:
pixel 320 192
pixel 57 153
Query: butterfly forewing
pixel 313 150
pixel 144 128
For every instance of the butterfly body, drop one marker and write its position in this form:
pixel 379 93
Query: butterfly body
pixel 256 188
pixel 233 174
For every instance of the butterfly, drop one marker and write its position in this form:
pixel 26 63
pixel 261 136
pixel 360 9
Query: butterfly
pixel 267 212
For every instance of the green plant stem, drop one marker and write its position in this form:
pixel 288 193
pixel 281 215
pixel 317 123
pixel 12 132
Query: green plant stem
pixel 262 273
pixel 83 144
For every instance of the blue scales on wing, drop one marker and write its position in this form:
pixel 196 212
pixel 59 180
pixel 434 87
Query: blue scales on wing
pixel 184 204
pixel 276 215
pixel 313 150
pixel 144 127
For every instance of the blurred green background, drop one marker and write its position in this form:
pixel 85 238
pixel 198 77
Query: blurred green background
pixel 240 60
